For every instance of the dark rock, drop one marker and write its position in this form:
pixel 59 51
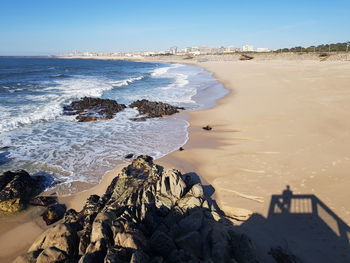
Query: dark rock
pixel 245 57
pixel 43 200
pixel 17 188
pixel 191 242
pixel 244 248
pixel 4 148
pixel 119 255
pixel 51 255
pixel 140 118
pixel 93 109
pixel 91 206
pixel 53 213
pixel 192 222
pixel 96 257
pixel 154 109
pixel 207 128
pixel 129 156
pixel 322 55
pixel 89 118
pixel 180 256
pixel 181 149
pixel 61 237
pixel 281 255
pixel 139 257
pixel 72 218
pixel 162 243
pixel 141 167
pixel 147 214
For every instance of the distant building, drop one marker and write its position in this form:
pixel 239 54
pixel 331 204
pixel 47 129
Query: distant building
pixel 246 48
pixel 231 49
pixel 262 49
pixel 173 50
pixel 204 49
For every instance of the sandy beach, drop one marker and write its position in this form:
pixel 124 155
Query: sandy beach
pixel 284 122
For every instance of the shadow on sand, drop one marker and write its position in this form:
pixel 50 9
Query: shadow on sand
pixel 302 225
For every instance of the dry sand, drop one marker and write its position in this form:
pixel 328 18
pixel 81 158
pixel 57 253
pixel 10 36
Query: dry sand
pixel 284 123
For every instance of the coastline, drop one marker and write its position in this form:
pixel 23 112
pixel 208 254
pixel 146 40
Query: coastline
pixel 255 148
pixel 30 221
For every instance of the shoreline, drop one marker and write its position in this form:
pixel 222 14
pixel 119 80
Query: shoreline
pixel 260 144
pixel 29 220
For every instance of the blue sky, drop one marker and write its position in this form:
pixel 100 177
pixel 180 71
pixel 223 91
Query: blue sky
pixel 39 27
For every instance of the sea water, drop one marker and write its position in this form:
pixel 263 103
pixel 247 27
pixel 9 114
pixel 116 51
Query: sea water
pixel 35 136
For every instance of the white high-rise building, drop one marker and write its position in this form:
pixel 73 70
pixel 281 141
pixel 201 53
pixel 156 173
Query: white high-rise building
pixel 262 49
pixel 246 48
pixel 173 50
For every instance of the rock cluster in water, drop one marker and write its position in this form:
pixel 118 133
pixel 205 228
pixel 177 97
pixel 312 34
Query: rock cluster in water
pixel 154 109
pixel 17 188
pixel 92 109
pixel 147 214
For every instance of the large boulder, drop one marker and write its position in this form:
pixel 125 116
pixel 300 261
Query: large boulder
pixel 17 188
pixel 147 214
pixel 53 213
pixel 93 109
pixel 51 255
pixel 61 237
pixel 154 109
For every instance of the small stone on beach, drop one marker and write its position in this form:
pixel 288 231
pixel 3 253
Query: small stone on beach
pixel 207 128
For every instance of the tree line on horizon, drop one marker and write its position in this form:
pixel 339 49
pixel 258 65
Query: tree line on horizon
pixel 335 47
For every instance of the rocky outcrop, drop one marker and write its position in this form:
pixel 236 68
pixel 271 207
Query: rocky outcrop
pixel 281 255
pixel 147 214
pixel 153 109
pixel 93 109
pixel 53 213
pixel 17 188
pixel 245 57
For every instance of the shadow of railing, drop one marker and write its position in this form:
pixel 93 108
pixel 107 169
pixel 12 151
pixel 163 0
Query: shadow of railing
pixel 288 204
pixel 302 225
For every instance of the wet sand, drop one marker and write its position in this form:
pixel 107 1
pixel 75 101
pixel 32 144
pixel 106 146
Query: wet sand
pixel 283 123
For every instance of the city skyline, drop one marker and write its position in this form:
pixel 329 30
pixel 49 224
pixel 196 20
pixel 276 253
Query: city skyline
pixel 174 50
pixel 45 28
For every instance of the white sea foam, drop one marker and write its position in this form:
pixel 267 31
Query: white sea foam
pixel 49 106
pixel 161 71
pixel 75 151
pixel 177 92
pixel 125 82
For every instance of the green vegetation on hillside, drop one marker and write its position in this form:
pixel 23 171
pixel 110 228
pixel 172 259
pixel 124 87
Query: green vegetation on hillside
pixel 337 47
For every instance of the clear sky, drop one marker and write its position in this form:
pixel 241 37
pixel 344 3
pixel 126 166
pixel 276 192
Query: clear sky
pixel 39 27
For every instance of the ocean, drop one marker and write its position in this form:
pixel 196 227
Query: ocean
pixel 35 136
